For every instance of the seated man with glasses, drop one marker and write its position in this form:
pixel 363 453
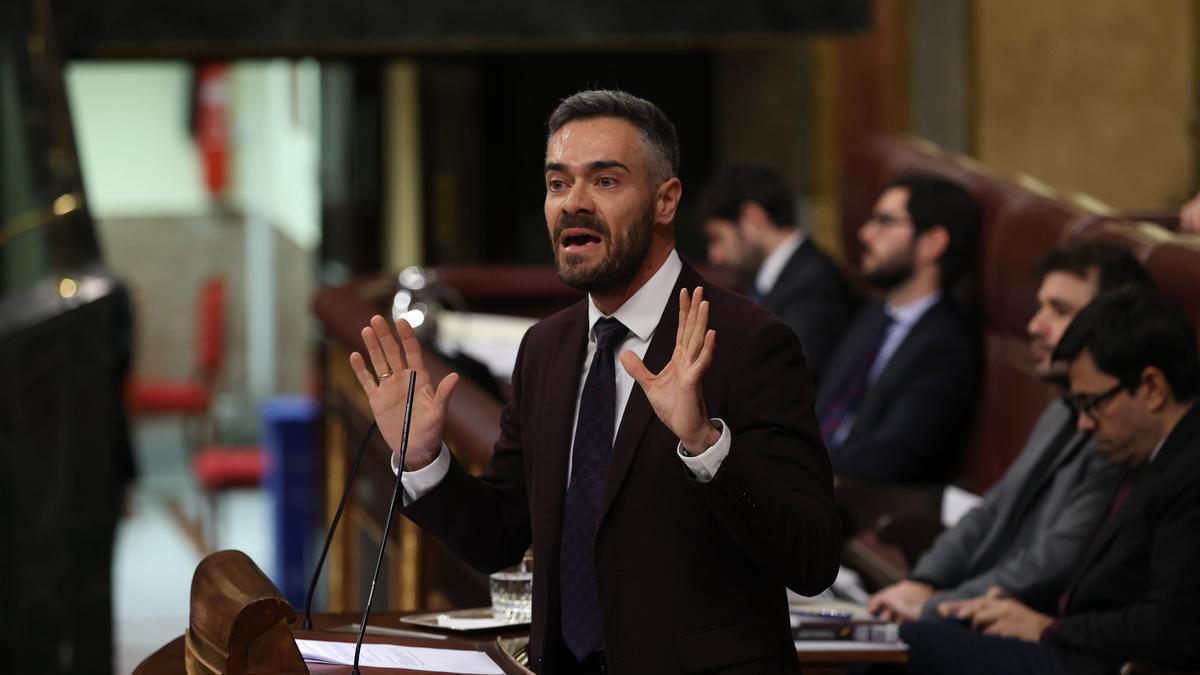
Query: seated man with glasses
pixel 1134 377
pixel 1031 526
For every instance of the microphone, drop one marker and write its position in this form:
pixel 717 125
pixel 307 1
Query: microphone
pixel 337 516
pixel 387 526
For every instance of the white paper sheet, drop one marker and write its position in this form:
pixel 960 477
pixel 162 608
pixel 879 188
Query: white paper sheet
pixel 396 656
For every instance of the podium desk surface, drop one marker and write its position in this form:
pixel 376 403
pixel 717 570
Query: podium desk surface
pixel 169 659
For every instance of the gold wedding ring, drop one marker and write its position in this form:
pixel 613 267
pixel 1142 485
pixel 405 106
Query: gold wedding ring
pixel 384 376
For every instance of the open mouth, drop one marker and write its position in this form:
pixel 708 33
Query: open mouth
pixel 576 240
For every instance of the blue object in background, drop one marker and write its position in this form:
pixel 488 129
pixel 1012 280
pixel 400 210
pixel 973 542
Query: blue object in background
pixel 290 439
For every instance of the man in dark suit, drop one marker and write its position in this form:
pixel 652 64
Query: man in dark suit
pixel 1134 377
pixel 897 398
pixel 669 500
pixel 1031 527
pixel 750 223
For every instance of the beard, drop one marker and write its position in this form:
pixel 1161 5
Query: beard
pixel 892 272
pixel 622 259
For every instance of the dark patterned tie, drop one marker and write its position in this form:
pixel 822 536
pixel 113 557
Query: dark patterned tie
pixel 581 628
pixel 1119 499
pixel 850 390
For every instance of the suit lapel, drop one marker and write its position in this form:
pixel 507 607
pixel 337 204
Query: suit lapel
pixel 638 412
pixel 1112 524
pixel 561 386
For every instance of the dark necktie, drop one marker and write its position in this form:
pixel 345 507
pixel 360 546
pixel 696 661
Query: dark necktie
pixel 1118 502
pixel 581 628
pixel 850 389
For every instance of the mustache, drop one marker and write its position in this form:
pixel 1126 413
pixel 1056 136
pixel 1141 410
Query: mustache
pixel 584 221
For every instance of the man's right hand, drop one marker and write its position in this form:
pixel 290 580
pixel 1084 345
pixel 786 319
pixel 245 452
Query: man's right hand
pixel 900 602
pixel 395 362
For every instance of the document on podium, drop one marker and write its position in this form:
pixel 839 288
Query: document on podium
pixel 397 656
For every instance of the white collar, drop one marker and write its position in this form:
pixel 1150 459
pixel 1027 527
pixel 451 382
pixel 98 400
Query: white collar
pixel 911 313
pixel 772 266
pixel 641 312
pixel 1157 448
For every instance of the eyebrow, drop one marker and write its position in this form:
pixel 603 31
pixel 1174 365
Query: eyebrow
pixel 598 165
pixel 1062 305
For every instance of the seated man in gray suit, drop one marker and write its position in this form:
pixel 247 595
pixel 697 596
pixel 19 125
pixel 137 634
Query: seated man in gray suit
pixel 1032 525
pixel 750 223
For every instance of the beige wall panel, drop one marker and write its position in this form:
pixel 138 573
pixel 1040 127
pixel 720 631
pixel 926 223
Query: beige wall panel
pixel 762 111
pixel 1088 96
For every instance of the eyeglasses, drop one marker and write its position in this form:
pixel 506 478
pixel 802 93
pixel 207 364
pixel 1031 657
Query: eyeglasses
pixel 886 219
pixel 1087 404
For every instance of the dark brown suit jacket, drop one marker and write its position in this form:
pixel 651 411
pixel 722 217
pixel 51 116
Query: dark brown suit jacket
pixel 691 575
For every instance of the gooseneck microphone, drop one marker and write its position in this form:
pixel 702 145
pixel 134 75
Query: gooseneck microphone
pixel 387 526
pixel 337 516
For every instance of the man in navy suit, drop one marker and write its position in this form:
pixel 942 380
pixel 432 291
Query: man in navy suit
pixel 749 220
pixel 1134 377
pixel 897 398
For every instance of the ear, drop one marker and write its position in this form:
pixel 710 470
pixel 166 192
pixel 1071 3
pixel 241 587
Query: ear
pixel 931 244
pixel 752 220
pixel 1157 389
pixel 666 201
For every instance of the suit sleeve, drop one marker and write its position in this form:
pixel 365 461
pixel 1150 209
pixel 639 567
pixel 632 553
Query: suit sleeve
pixel 1161 626
pixel 774 491
pixel 1038 572
pixel 947 562
pixel 484 521
pixel 911 435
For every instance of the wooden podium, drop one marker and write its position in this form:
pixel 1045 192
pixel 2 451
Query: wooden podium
pixel 239 625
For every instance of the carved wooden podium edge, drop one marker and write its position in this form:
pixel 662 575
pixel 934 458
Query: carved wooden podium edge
pixel 239 621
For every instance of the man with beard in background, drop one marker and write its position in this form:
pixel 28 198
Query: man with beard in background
pixel 669 499
pixel 898 395
pixel 750 221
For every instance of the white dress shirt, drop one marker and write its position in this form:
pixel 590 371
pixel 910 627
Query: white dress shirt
pixel 640 314
pixel 772 266
pixel 903 319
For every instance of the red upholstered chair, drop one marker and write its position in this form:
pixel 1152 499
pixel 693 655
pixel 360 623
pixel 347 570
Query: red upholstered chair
pixel 191 399
pixel 223 467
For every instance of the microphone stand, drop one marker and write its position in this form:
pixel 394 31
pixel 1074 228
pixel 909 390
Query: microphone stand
pixel 387 526
pixel 337 516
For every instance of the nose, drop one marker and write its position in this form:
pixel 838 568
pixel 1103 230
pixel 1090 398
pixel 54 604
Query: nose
pixel 865 231
pixel 578 199
pixel 1034 328
pixel 1085 424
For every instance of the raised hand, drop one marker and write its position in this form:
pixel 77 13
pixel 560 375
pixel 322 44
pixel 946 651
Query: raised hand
pixel 675 392
pixel 394 362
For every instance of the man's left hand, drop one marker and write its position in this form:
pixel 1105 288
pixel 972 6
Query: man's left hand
pixel 997 615
pixel 675 392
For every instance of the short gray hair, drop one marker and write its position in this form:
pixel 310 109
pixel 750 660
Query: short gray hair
pixel 653 125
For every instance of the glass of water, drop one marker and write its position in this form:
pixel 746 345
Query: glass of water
pixel 512 592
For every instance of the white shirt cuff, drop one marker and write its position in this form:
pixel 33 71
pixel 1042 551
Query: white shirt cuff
pixel 705 465
pixel 418 483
